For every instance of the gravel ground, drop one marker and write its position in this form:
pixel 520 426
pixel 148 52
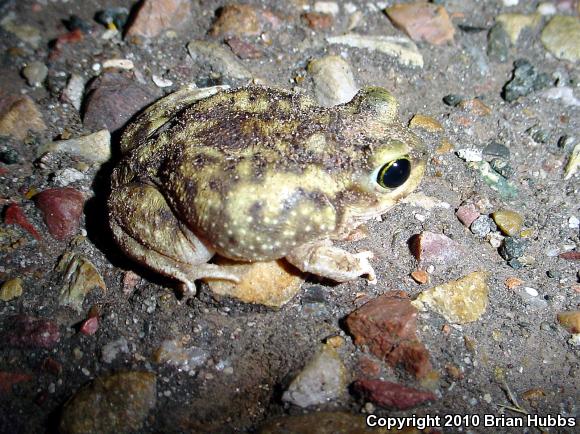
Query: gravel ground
pixel 516 357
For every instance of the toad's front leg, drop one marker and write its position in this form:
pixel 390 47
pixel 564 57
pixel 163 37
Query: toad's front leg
pixel 145 227
pixel 324 259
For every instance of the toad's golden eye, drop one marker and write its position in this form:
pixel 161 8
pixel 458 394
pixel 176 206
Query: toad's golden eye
pixel 395 173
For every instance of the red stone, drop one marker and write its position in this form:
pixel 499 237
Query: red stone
pixel 51 365
pixel 62 209
pixel 90 326
pixel 242 49
pixel 155 16
pixel 15 216
pixel 570 256
pixel 392 395
pixel 423 21
pixel 9 379
pixel 387 326
pixel 30 332
pixel 467 214
pixel 430 247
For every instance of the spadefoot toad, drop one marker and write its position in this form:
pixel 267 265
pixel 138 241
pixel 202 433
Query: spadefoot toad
pixel 257 174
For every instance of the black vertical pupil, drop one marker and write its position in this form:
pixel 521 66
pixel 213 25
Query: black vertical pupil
pixel 395 173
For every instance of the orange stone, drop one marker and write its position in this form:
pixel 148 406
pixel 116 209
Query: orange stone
pixel 420 276
pixel 513 282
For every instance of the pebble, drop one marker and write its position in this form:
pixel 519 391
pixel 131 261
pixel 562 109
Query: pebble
pixel 9 156
pixel 173 353
pixel 79 277
pixel 318 21
pixel 525 80
pixel 11 289
pixel 330 8
pixel 386 326
pixel 113 349
pixel 560 37
pixel 387 394
pixel 509 222
pixel 495 239
pixel 64 177
pixel 470 154
pixel 156 16
pixel 512 248
pixel 573 222
pixel 496 149
pixel 498 43
pixel 565 142
pixel 481 226
pixel 420 276
pixel 430 247
pixel 95 147
pixel 570 256
pixel 26 33
pixel 475 106
pixel 14 215
pixel 459 301
pixel 126 64
pixel 554 274
pixel 426 123
pixel 502 167
pixel 570 320
pixel 74 90
pixel 423 22
pixel 219 59
pixel 509 3
pixel 18 115
pixel 538 134
pixel 26 331
pixel 117 403
pixel 271 283
pixel 61 209
pixel 113 18
pixel 573 163
pixel 403 49
pixel 334 81
pixel 160 81
pixel 114 98
pixel 453 99
pixel 514 24
pixel 237 20
pixel 563 93
pixel 35 73
pixel 322 380
pixel 243 49
pixel 506 188
pixel 530 297
pixel 546 9
pixel 467 214
pixel 90 326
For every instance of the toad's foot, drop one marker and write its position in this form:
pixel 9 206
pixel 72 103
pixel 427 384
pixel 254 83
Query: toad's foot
pixel 323 259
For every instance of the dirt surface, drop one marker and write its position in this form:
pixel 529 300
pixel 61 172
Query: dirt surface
pixel 516 345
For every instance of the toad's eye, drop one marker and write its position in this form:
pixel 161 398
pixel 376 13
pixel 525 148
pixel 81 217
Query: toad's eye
pixel 394 173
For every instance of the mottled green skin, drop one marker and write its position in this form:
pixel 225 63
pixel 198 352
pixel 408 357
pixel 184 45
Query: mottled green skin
pixel 255 172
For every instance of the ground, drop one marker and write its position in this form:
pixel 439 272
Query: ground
pixel 254 352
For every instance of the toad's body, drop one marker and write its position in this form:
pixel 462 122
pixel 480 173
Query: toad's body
pixel 256 174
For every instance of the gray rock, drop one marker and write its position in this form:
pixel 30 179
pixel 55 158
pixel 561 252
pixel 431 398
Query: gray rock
pixel 525 80
pixel 35 73
pixel 333 80
pixel 498 43
pixel 512 248
pixel 481 226
pixel 219 59
pixel 496 149
pixel 502 167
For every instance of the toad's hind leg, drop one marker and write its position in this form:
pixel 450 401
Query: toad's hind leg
pixel 147 230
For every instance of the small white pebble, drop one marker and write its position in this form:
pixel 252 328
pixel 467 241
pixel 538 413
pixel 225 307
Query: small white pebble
pixel 96 67
pixel 510 2
pixel 573 222
pixel 531 291
pixel 350 8
pixel 119 63
pixel 546 9
pixel 331 8
pixel 420 217
pixel 487 398
pixel 160 81
pixel 470 154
